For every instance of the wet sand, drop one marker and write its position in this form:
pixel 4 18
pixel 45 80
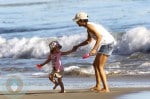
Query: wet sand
pixel 115 93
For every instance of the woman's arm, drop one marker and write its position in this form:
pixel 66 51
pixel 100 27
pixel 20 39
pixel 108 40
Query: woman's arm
pixel 87 41
pixel 93 30
pixel 67 52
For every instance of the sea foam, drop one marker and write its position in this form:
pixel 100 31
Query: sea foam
pixel 34 47
pixel 135 40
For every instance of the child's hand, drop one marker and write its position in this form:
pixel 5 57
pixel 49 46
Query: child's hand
pixel 38 66
pixel 86 56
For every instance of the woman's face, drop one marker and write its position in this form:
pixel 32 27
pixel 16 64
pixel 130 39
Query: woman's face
pixel 80 23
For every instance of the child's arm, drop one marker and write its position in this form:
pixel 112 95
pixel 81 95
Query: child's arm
pixel 47 61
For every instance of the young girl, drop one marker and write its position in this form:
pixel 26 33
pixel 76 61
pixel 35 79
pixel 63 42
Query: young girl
pixel 58 69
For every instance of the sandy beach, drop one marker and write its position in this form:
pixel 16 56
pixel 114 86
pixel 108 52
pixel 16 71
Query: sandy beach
pixel 140 89
pixel 115 93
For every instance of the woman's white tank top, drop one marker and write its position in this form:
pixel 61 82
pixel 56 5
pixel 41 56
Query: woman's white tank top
pixel 107 38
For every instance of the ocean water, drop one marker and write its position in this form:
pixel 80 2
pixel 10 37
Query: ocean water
pixel 144 94
pixel 27 27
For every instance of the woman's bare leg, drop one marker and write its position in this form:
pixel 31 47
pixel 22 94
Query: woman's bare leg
pixel 97 76
pixel 102 60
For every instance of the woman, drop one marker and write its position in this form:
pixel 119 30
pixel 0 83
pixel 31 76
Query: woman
pixel 102 48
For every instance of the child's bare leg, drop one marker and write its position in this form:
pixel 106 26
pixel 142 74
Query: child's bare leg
pixel 51 78
pixel 61 85
pixel 55 86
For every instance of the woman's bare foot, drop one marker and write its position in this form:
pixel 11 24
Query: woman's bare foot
pixel 95 88
pixel 103 90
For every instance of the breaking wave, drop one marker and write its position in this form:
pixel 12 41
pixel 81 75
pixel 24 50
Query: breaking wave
pixel 133 41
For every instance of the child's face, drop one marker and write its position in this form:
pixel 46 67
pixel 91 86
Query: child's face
pixel 56 49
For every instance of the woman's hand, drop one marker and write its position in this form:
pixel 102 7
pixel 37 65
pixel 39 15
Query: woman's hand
pixel 93 52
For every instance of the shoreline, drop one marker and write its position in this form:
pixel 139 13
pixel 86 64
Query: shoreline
pixel 120 86
pixel 75 83
pixel 115 93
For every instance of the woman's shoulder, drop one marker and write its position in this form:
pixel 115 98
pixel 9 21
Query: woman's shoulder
pixel 93 23
pixel 90 23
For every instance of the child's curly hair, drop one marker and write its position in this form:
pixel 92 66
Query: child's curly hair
pixel 54 44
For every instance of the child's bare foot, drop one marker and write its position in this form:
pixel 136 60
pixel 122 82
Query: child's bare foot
pixel 56 84
pixel 62 92
pixel 103 90
pixel 95 88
